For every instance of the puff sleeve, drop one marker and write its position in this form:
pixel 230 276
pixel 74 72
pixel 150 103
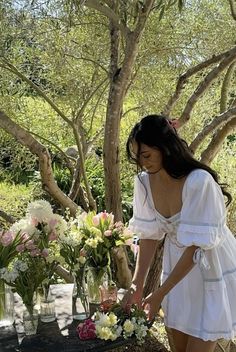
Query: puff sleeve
pixel 202 219
pixel 144 223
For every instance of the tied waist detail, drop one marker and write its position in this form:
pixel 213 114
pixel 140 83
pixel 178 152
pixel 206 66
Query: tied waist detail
pixel 199 257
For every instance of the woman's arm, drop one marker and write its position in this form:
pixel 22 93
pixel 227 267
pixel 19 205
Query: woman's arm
pixel 146 252
pixel 182 268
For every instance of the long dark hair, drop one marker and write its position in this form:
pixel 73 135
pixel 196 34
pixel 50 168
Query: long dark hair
pixel 156 131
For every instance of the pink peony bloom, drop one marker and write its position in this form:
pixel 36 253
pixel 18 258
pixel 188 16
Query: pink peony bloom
pixel 86 330
pixel 45 253
pixel 53 236
pixel 7 238
pixel 20 248
pixel 107 233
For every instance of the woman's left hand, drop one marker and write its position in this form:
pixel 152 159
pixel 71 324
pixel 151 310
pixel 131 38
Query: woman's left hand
pixel 152 304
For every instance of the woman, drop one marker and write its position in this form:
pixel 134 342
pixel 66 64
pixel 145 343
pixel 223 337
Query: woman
pixel 179 198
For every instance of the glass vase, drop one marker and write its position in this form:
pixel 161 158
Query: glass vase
pixel 96 280
pixel 80 304
pixel 6 305
pixel 47 305
pixel 30 320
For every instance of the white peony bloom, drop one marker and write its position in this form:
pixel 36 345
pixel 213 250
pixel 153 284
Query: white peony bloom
pixel 40 210
pixel 24 226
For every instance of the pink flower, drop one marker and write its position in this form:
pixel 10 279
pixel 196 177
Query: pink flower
pixel 86 330
pixel 45 252
pixel 53 236
pixel 24 237
pixel 20 248
pixel 30 245
pixel 34 221
pixel 35 252
pixel 52 223
pixel 107 233
pixel 104 215
pixel 7 238
pixel 96 220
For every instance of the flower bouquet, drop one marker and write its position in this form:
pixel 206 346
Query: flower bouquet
pixel 38 255
pixel 10 244
pixel 71 249
pixel 96 235
pixel 114 324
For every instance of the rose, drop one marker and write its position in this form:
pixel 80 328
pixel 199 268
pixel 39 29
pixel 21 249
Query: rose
pixel 86 330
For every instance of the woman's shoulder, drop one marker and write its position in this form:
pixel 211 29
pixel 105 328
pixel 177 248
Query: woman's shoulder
pixel 199 176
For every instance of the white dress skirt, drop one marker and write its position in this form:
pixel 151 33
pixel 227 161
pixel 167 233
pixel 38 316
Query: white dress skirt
pixel 203 303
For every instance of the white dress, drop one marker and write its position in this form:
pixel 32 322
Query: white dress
pixel 203 303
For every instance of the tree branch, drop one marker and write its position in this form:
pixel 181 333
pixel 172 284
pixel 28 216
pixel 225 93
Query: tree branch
pixel 215 124
pixel 6 65
pixel 226 86
pixel 8 218
pixel 210 77
pixel 48 181
pixel 183 79
pixel 232 5
pixel 109 13
pixel 217 141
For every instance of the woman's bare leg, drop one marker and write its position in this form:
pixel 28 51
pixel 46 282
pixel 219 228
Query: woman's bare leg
pixel 196 345
pixel 180 340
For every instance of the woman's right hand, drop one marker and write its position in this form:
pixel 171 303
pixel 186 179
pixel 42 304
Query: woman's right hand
pixel 132 296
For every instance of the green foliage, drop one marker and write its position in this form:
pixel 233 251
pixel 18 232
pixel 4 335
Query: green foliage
pixel 14 200
pixel 17 164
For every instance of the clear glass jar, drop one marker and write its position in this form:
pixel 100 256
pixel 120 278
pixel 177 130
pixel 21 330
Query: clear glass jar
pixel 6 305
pixel 30 320
pixel 80 303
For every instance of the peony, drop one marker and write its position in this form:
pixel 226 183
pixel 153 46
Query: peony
pixel 86 330
pixel 40 210
pixel 24 226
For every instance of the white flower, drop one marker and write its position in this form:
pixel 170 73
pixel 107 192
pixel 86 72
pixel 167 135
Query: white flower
pixel 56 223
pixel 72 239
pixel 7 275
pixel 103 320
pixel 40 210
pixel 82 260
pixel 128 327
pixel 24 226
pixel 20 265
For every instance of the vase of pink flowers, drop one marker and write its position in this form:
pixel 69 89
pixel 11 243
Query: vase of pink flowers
pixel 10 244
pixel 96 236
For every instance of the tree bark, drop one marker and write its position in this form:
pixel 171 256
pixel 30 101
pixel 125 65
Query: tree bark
pixel 47 179
pixel 217 141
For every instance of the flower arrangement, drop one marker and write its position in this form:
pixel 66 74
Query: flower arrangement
pixel 37 253
pixel 94 236
pixel 114 324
